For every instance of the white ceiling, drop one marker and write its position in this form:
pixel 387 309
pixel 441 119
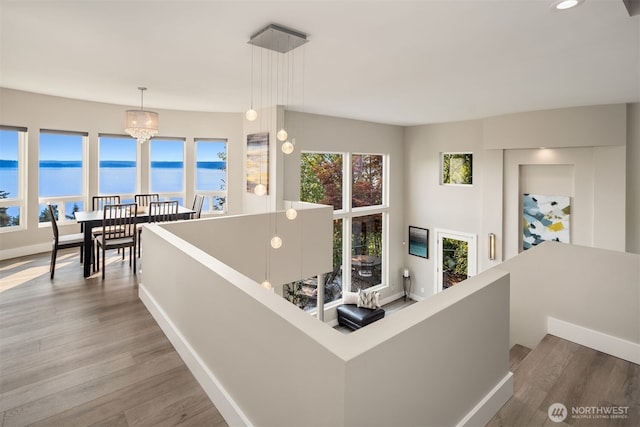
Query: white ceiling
pixel 398 62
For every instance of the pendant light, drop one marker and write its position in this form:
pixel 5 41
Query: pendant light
pixel 141 124
pixel 251 114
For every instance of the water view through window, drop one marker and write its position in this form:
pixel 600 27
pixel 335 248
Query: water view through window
pixel 9 177
pixel 118 162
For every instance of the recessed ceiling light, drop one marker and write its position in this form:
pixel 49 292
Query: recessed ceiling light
pixel 565 4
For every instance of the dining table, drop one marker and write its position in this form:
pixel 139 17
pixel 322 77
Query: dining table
pixel 91 219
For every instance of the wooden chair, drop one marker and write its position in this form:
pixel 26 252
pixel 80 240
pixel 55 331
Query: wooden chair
pixel 159 212
pixel 97 204
pixel 118 232
pixel 198 201
pixel 143 200
pixel 163 211
pixel 75 240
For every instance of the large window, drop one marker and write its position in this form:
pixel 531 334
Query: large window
pixel 12 182
pixel 167 168
pixel 211 174
pixel 359 212
pixel 61 174
pixel 118 167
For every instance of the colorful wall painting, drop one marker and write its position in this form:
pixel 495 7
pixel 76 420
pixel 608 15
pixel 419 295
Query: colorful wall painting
pixel 545 218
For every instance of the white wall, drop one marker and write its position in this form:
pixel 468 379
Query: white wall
pixel 584 158
pixel 633 178
pixel 431 205
pixel 37 112
pixel 305 251
pixel 594 288
pixel 266 362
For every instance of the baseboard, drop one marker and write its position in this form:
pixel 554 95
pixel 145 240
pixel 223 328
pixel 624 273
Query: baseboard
pixel 231 412
pixel 24 251
pixel 490 404
pixel 614 346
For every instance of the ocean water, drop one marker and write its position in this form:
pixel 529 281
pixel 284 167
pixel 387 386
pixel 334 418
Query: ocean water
pixel 115 177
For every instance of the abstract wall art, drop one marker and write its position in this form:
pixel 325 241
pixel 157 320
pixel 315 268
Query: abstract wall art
pixel 545 218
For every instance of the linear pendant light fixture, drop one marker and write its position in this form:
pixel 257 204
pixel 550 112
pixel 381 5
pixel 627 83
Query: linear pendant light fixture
pixel 141 124
pixel 281 40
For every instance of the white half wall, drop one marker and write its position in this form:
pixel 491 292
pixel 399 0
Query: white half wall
pixel 595 289
pixel 269 363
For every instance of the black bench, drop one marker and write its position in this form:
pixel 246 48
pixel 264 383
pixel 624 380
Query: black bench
pixel 354 317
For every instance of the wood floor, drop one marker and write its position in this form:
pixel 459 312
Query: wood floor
pixel 77 352
pixel 559 371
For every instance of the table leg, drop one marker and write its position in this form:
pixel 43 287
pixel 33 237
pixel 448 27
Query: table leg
pixel 88 249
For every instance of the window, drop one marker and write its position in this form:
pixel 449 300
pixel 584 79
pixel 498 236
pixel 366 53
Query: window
pixel 366 173
pixel 118 172
pixel 12 177
pixel 61 174
pixel 211 174
pixel 167 168
pixel 363 218
pixel 321 179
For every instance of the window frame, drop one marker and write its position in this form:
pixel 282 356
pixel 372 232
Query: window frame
pixel 211 195
pixel 21 200
pixel 124 197
pixel 60 201
pixel 348 213
pixel 170 195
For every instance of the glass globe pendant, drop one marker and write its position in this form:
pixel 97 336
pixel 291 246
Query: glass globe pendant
pixel 287 147
pixel 282 135
pixel 251 114
pixel 267 285
pixel 291 214
pixel 260 190
pixel 276 242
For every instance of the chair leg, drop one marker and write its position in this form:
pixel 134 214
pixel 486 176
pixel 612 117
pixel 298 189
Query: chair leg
pixel 81 254
pixel 134 258
pixel 104 266
pixel 52 267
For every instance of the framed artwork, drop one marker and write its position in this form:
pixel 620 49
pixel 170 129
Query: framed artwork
pixel 419 242
pixel 257 161
pixel 457 168
pixel 545 218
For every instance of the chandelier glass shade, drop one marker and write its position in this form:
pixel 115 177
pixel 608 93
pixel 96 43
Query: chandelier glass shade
pixel 141 124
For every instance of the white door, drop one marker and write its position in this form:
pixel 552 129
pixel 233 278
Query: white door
pixel 455 258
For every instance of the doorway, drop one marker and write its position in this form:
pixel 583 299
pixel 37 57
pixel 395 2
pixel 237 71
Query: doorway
pixel 455 258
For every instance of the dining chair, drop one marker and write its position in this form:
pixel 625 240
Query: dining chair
pixel 97 204
pixel 198 201
pixel 75 240
pixel 163 211
pixel 118 232
pixel 143 200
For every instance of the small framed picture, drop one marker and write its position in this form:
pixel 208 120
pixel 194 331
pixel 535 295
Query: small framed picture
pixel 419 242
pixel 457 168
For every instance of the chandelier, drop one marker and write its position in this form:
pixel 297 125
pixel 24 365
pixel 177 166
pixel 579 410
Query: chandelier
pixel 141 124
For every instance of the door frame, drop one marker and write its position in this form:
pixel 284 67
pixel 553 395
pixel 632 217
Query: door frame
pixel 472 253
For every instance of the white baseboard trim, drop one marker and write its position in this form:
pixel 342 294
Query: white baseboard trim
pixel 231 412
pixel 490 404
pixel 24 251
pixel 614 346
pixel 416 297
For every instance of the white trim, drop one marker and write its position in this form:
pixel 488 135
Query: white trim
pixel 596 340
pixel 490 404
pixel 25 250
pixel 222 400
